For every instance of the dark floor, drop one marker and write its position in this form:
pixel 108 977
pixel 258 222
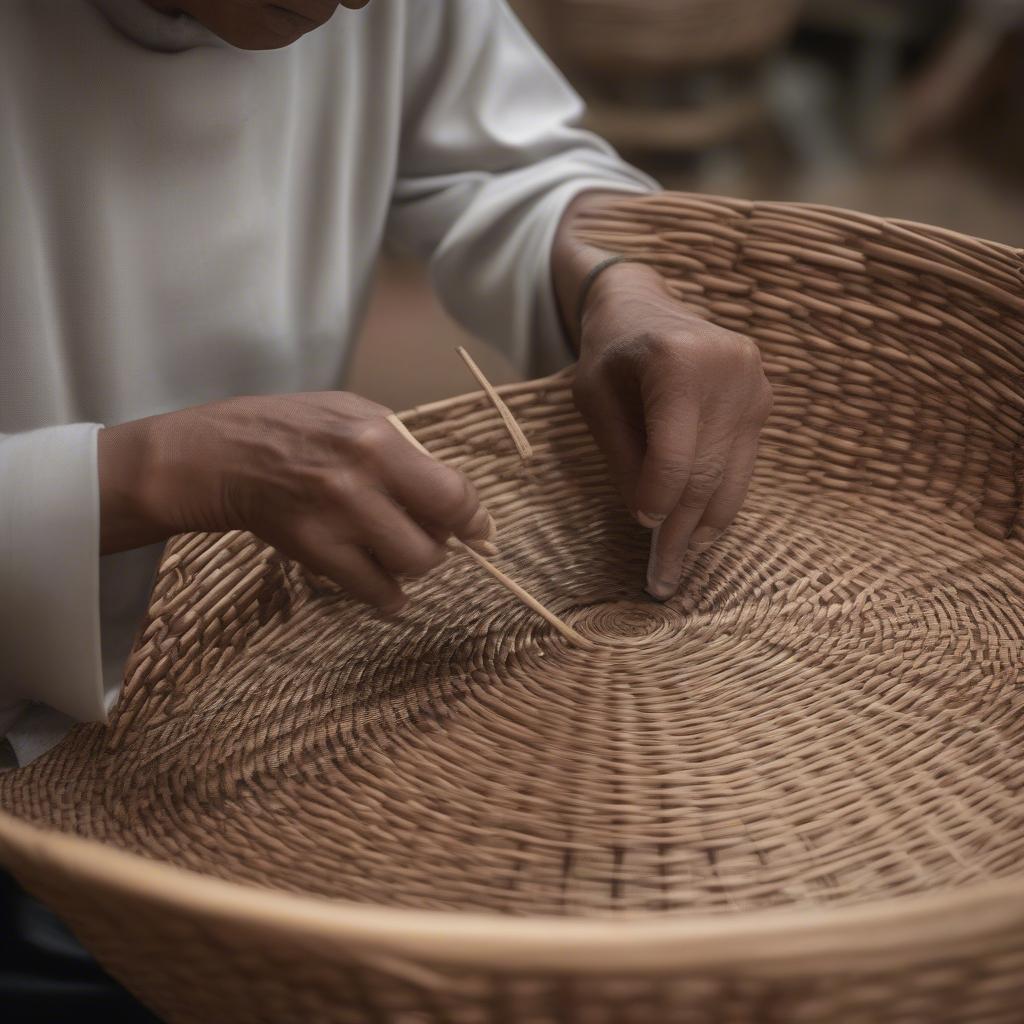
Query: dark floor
pixel 46 977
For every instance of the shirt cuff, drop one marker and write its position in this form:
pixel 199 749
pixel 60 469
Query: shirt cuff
pixel 49 570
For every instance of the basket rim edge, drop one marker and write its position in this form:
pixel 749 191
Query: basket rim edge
pixel 985 916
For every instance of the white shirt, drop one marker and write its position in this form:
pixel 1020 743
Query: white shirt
pixel 181 221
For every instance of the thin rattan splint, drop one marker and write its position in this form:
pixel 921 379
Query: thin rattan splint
pixel 792 793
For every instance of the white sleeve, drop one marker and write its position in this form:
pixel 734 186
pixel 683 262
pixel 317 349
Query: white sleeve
pixel 490 158
pixel 49 573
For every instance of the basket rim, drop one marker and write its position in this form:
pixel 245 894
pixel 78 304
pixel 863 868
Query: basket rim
pixel 882 933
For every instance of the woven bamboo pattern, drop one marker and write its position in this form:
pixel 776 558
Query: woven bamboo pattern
pixel 647 35
pixel 791 793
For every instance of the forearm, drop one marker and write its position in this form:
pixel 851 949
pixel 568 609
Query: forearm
pixel 124 456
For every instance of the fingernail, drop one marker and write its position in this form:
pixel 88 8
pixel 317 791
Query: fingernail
pixel 481 526
pixel 393 611
pixel 657 586
pixel 483 547
pixel 661 590
pixel 650 519
pixel 703 537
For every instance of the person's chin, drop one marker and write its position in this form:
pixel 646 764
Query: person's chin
pixel 280 27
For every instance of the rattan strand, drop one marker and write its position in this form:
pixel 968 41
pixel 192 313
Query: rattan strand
pixel 519 439
pixel 826 722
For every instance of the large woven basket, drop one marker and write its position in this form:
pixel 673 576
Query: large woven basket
pixel 793 793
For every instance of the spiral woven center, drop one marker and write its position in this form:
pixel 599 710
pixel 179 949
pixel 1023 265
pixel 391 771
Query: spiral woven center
pixel 627 623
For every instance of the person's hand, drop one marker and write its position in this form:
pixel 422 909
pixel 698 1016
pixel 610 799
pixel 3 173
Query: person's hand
pixel 323 477
pixel 676 405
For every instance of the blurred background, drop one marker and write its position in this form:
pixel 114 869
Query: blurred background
pixel 904 108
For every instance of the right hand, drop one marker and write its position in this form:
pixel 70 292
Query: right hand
pixel 322 476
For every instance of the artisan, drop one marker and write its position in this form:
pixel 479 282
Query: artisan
pixel 194 196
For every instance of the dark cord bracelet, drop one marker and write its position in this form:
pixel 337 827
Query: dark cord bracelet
pixel 588 282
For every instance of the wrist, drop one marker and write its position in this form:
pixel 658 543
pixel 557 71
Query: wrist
pixel 572 259
pixel 616 284
pixel 628 276
pixel 129 507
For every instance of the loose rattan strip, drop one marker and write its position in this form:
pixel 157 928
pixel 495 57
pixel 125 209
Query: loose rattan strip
pixel 827 720
pixel 519 439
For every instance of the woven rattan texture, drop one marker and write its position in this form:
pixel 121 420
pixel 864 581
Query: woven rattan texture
pixel 829 712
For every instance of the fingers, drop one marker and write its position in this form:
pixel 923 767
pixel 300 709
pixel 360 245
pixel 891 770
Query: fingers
pixel 727 501
pixel 399 544
pixel 668 461
pixel 328 480
pixel 347 565
pixel 617 437
pixel 363 545
pixel 669 546
pixel 438 497
pixel 396 516
pixel 713 496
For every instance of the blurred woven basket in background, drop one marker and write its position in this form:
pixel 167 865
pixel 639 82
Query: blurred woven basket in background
pixel 792 793
pixel 671 75
pixel 667 35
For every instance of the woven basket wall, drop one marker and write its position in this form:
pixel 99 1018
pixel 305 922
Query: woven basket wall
pixel 665 35
pixel 793 793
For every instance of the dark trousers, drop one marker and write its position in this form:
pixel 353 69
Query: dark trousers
pixel 45 975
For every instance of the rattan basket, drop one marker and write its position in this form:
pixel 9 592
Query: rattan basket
pixel 793 793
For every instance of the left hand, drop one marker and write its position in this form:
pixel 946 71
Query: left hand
pixel 676 404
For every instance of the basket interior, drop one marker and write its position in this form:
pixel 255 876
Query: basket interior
pixel 830 711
